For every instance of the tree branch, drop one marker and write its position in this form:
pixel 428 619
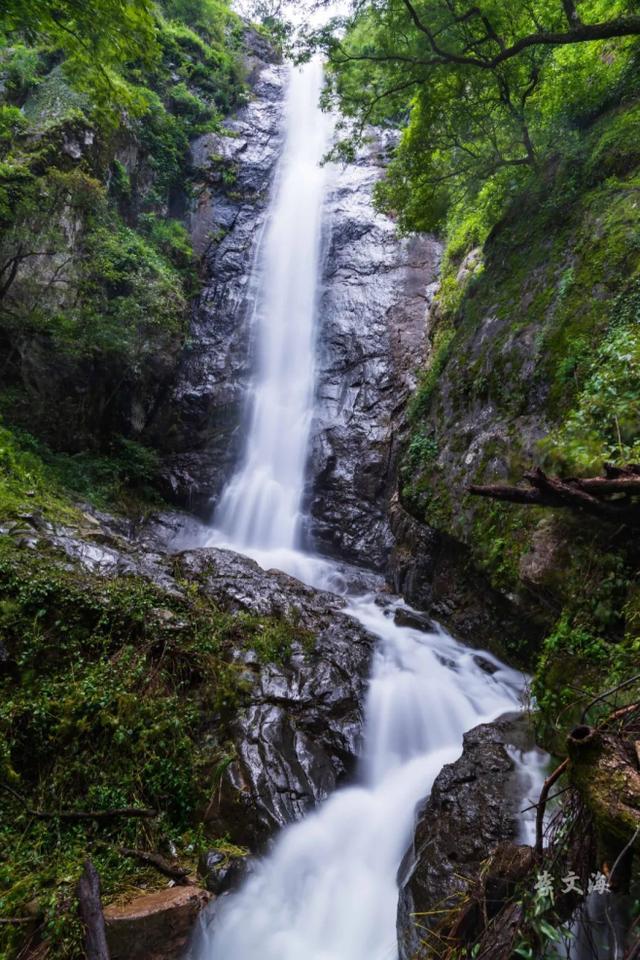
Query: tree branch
pixel 579 33
pixel 611 498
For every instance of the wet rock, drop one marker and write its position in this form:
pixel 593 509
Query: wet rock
pixel 300 733
pixel 544 564
pixel 371 341
pixel 434 572
pixel 296 732
pixel 155 926
pixel 199 424
pixel 222 873
pixel 473 807
pixel 485 665
pixel 405 617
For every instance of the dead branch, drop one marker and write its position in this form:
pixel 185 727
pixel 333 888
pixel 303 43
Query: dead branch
pixel 542 804
pixel 90 905
pixel 612 497
pixel 607 693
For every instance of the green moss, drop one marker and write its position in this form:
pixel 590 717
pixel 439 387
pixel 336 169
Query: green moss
pixel 118 695
pixel 502 534
pixel 556 305
pixel 27 484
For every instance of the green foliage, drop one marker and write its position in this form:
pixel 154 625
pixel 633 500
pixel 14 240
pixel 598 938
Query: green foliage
pixel 422 449
pixel 26 482
pixel 472 129
pixel 94 272
pixel 127 288
pixel 97 39
pixel 33 477
pixel 555 294
pixel 20 67
pixel 604 424
pixel 438 356
pixel 118 695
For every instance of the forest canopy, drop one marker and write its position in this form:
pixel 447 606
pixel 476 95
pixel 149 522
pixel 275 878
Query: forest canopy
pixel 485 92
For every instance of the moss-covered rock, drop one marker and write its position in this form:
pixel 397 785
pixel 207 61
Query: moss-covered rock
pixel 534 362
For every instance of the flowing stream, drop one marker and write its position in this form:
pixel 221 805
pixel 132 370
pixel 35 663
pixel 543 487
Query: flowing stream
pixel 327 890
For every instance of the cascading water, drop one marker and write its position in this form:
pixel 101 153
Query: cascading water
pixel 260 507
pixel 328 889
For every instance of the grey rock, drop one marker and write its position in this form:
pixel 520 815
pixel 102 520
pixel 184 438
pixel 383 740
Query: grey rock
pixel 300 733
pixel 405 617
pixel 222 873
pixel 434 572
pixel 297 732
pixel 199 425
pixel 376 287
pixel 473 807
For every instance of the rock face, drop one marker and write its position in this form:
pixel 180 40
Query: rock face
pixel 434 572
pixel 234 172
pixel 299 733
pixel 371 340
pixel 222 873
pixel 473 807
pixel 296 734
pixel 155 926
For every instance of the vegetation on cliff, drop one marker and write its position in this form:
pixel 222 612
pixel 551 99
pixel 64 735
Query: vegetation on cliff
pixel 524 155
pixel 98 104
pixel 115 694
pixel 523 149
pixel 107 687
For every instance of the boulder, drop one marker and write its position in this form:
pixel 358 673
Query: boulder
pixel 295 733
pixel 473 808
pixel 222 873
pixel 299 733
pixel 154 926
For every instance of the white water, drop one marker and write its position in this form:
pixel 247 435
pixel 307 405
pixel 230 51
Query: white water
pixel 261 504
pixel 328 889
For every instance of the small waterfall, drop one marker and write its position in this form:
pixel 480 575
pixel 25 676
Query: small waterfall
pixel 328 891
pixel 261 505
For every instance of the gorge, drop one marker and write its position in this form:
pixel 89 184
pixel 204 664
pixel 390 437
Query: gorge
pixel 329 887
pixel 268 666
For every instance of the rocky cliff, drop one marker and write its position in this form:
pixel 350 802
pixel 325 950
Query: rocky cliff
pixel 371 336
pixel 531 362
pixel 234 173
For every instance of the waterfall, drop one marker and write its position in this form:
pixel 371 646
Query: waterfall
pixel 261 505
pixel 327 890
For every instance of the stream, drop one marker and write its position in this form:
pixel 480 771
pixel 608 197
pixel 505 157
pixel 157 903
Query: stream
pixel 328 890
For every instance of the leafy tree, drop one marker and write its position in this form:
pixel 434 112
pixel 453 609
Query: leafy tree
pixel 482 90
pixel 97 38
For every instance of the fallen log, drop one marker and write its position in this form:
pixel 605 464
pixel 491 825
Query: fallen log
pixel 615 496
pixel 90 905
